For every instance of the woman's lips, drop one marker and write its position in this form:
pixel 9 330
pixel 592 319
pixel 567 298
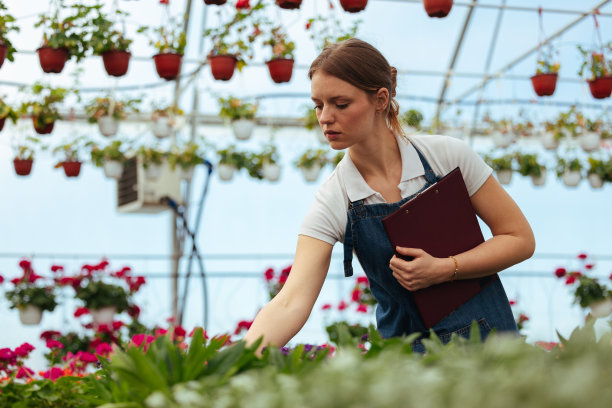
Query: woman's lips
pixel 331 135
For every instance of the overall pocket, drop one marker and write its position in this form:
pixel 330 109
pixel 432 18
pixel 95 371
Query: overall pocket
pixel 464 332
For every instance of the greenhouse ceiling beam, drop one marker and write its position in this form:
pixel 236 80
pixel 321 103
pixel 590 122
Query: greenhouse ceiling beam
pixel 526 54
pixel 449 71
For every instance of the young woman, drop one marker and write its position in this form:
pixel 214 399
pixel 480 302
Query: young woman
pixel 353 87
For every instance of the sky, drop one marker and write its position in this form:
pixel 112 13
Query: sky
pixel 248 225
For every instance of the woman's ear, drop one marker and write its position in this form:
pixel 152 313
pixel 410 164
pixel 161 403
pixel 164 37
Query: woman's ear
pixel 382 99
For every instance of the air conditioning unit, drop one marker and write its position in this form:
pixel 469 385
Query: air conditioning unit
pixel 136 193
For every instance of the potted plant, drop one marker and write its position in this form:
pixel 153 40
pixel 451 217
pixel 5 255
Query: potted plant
pixel 230 160
pixel 598 171
pixel 30 295
pixel 412 120
pixel 6 111
pixel 589 137
pixel 71 161
pixel 336 159
pixel 43 108
pixel 353 6
pixel 64 38
pixel 598 71
pixel 280 65
pixel 107 112
pixel 269 158
pixel 111 158
pixel 569 171
pixel 438 8
pixel 166 120
pixel 170 41
pixel 528 165
pixel 151 159
pixel 7 24
pixel 330 30
pixel 502 166
pixel 544 81
pixel 501 132
pixel 110 43
pixel 550 136
pixel 185 159
pixel 311 162
pixel 24 155
pixel 240 114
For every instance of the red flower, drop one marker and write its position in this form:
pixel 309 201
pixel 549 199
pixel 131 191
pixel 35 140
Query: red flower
pixel 24 372
pixel 54 344
pixel 308 24
pixel 160 332
pixel 117 324
pixel 362 308
pixel 343 305
pixel 25 264
pixel 269 274
pixel 362 279
pixel 24 349
pixel 242 325
pixel 589 266
pixel 164 2
pixel 33 277
pixel 104 328
pixel 242 4
pixel 286 270
pixel 7 354
pixel 560 272
pixel 523 318
pixel 15 281
pixel 582 256
pixel 53 373
pixel 326 306
pixel 1 279
pixel 610 276
pixel 103 349
pixel 133 311
pixel 80 311
pixel 512 302
pixel 66 281
pixel 179 332
pixel 49 334
pixel 86 357
pixel 355 295
pixel 570 279
pixel 56 268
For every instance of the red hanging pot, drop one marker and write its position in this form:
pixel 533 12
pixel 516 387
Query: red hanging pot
pixel 353 6
pixel 72 168
pixel 52 60
pixel 23 167
pixel 280 69
pixel 289 4
pixel 544 84
pixel 3 52
pixel 168 65
pixel 116 62
pixel 438 8
pixel 215 2
pixel 2 121
pixel 42 128
pixel 601 88
pixel 222 66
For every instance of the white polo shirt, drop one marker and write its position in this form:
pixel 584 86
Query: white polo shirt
pixel 326 219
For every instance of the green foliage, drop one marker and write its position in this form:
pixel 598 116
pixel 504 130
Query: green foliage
pixel 26 148
pixel 104 37
pixel 7 111
pixel 7 24
pixel 234 109
pixel 311 157
pixel 529 165
pixel 103 106
pixel 603 168
pixel 327 30
pixel 168 38
pixel 590 290
pixel 595 63
pixel 97 294
pixel 111 152
pixel 336 158
pixel 564 165
pixel 72 149
pixel 412 118
pixel 232 157
pixel 546 63
pixel 43 106
pixel 500 163
pixel 282 47
pixel 26 293
pixel 310 118
pixel 67 392
pixel 150 156
pixel 186 157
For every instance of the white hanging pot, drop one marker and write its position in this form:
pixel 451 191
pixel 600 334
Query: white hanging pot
pixel 601 308
pixel 539 180
pixel 595 180
pixel 161 127
pixel 108 125
pixel 30 315
pixel 152 171
pixel 571 178
pixel 104 315
pixel 589 141
pixel 548 140
pixel 311 174
pixel 186 174
pixel 113 169
pixel 271 171
pixel 243 128
pixel 503 139
pixel 225 171
pixel 504 176
pixel 320 135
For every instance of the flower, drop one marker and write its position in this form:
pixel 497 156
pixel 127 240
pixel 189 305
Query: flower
pixel 54 344
pixel 31 289
pixel 282 47
pixel 560 272
pixel 326 306
pixel 234 109
pixel 588 289
pixel 24 350
pixel 242 4
pixel 276 282
pixel 243 325
pixel 595 63
pixel 269 274
pixel 80 311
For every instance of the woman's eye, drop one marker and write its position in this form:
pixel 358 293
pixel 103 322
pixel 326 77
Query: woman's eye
pixel 318 107
pixel 342 106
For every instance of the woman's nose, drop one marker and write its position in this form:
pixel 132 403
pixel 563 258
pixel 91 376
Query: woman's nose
pixel 326 115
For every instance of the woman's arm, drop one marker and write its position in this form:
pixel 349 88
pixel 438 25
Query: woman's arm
pixel 285 315
pixel 512 242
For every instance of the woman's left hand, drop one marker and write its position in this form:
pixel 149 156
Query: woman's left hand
pixel 421 272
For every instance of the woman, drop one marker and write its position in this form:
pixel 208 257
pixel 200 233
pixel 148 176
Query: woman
pixel 353 87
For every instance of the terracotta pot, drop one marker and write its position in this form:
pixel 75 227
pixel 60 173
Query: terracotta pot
pixel 353 6
pixel 23 167
pixel 2 121
pixel 215 2
pixel 104 315
pixel 544 84
pixel 222 66
pixel 3 52
pixel 30 315
pixel 52 60
pixel 116 63
pixel 289 4
pixel 601 88
pixel 168 65
pixel 72 168
pixel 225 171
pixel 438 8
pixel 280 69
pixel 44 129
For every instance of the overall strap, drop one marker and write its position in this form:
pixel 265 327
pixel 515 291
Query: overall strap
pixel 354 206
pixel 429 175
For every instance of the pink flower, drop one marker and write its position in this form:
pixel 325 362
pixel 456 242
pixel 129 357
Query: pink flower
pixel 86 357
pixel 362 308
pixel 179 332
pixel 24 372
pixel 362 279
pixel 160 332
pixel 53 373
pixel 54 344
pixel 137 339
pixel 80 311
pixel 269 274
pixel 242 325
pixel 164 2
pixel 7 354
pixel 582 256
pixel 103 349
pixel 342 305
pixel 192 332
pixel 326 306
pixel 24 349
pixel 560 272
pixel 1 279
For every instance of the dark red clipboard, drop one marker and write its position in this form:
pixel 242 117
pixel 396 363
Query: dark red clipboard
pixel 441 221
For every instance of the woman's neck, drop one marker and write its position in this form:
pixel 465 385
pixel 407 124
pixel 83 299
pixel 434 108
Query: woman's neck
pixel 378 156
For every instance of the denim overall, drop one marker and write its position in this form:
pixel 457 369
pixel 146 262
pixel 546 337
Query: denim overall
pixel 396 313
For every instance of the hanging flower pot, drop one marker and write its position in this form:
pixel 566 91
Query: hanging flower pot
pixel 72 168
pixel 280 69
pixel 3 52
pixel 503 139
pixel 243 128
pixel 271 171
pixel 23 167
pixel 601 308
pixel 353 6
pixel 601 88
pixel 162 127
pixel 108 125
pixel 168 65
pixel 571 178
pixel 595 180
pixel 504 176
pixel 225 171
pixel 116 62
pixel 544 84
pixel 438 8
pixel 52 60
pixel 549 141
pixel 589 141
pixel 30 315
pixel 42 128
pixel 222 66
pixel 152 171
pixel 538 180
pixel 289 4
pixel 311 174
pixel 113 169
pixel 215 2
pixel 2 121
pixel 104 315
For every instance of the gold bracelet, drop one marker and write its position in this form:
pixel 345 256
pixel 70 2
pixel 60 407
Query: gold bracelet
pixel 454 277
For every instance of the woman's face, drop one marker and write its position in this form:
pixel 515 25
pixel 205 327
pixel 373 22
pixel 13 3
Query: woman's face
pixel 346 113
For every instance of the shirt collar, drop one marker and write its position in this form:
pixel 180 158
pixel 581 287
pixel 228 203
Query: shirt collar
pixel 356 186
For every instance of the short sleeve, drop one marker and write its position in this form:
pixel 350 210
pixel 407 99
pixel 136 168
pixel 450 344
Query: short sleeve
pixel 473 168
